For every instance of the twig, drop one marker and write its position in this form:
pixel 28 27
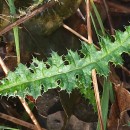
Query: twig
pixel 27 17
pixel 18 121
pixel 22 100
pixel 94 78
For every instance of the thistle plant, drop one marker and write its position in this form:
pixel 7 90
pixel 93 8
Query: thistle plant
pixel 69 72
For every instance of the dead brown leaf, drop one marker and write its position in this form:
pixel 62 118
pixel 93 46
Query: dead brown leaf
pixel 119 113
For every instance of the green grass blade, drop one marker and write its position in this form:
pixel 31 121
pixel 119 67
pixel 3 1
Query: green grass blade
pixel 98 17
pixel 112 97
pixel 94 26
pixel 7 128
pixel 105 103
pixel 15 30
pixel 16 37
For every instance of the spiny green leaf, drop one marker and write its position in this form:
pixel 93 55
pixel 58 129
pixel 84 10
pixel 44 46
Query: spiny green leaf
pixel 76 74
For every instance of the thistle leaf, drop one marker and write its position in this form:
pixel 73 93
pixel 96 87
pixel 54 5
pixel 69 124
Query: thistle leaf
pixel 76 74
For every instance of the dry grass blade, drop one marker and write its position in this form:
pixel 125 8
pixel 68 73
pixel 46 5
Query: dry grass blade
pixel 30 113
pixel 96 91
pixel 94 79
pixel 75 33
pixel 88 21
pixel 78 35
pixel 5 69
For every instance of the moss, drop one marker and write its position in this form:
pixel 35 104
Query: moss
pixel 49 20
